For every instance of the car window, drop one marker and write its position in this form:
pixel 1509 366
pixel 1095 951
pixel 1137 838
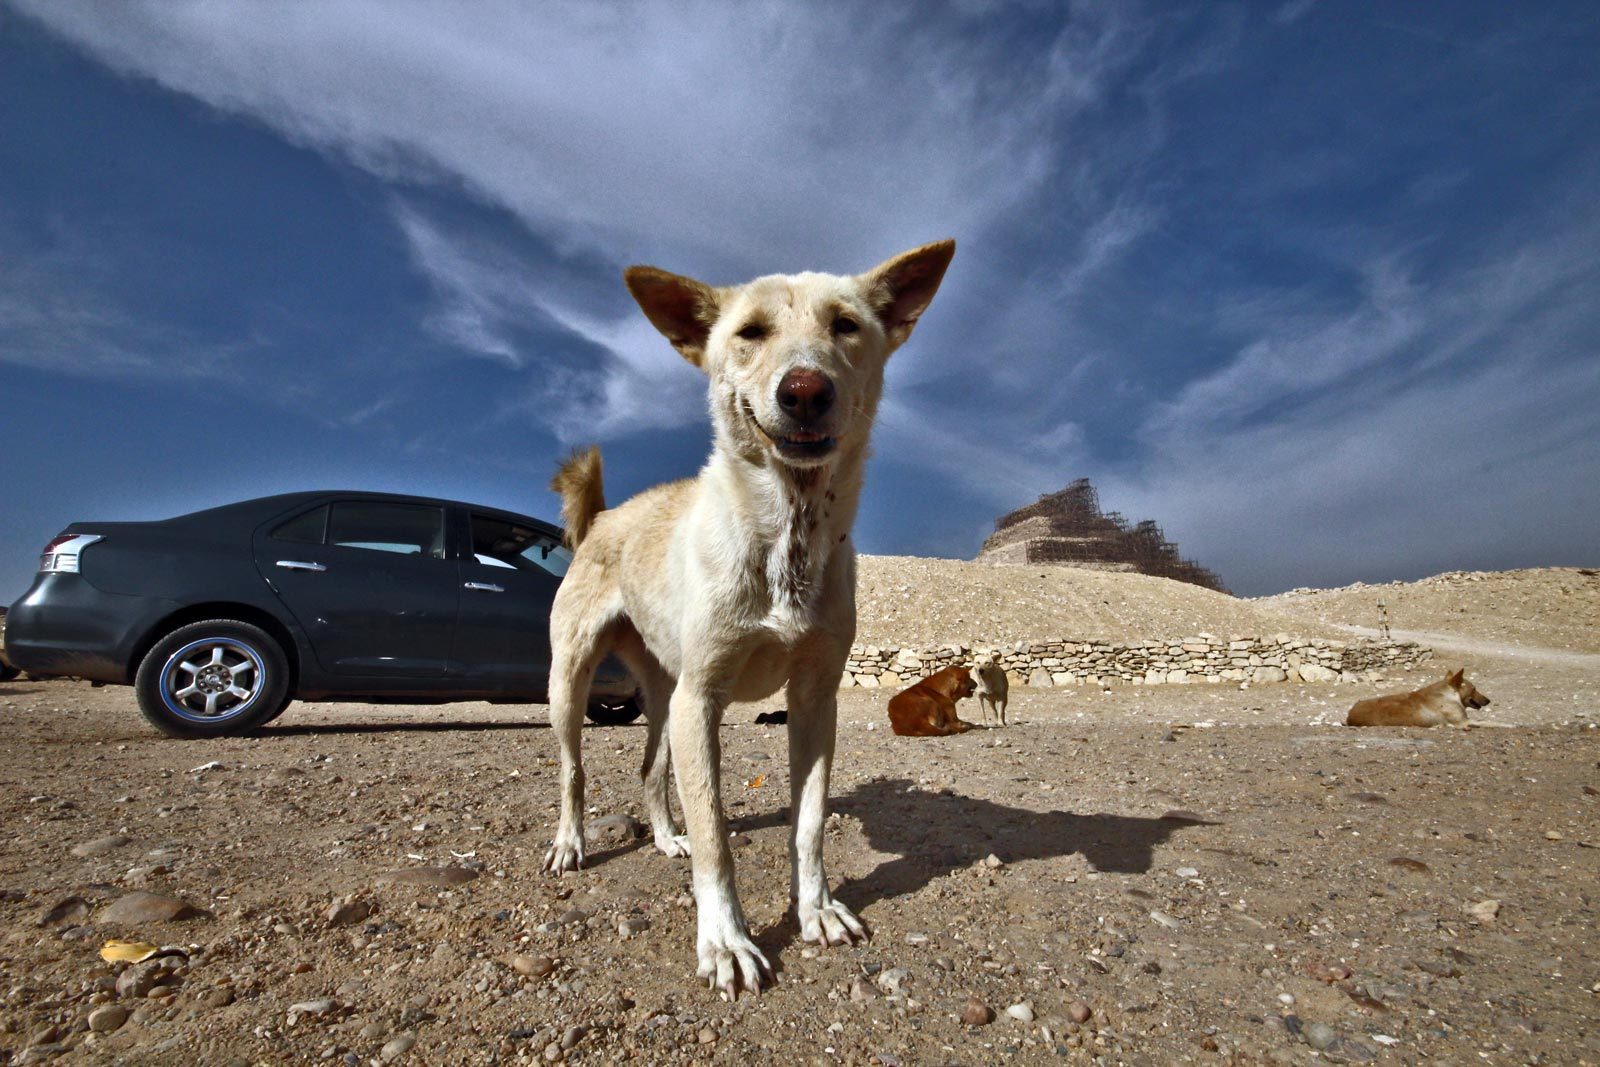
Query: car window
pixel 497 542
pixel 305 529
pixel 407 529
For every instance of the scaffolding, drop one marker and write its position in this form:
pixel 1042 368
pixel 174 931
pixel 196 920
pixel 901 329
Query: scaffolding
pixel 1067 528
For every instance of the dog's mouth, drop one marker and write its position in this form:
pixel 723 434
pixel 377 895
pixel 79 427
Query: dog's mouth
pixel 801 445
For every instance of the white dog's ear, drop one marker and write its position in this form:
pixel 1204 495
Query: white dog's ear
pixel 683 309
pixel 900 289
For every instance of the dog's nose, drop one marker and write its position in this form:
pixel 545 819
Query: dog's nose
pixel 805 395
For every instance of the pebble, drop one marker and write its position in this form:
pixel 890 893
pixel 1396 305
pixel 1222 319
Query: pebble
pixel 993 862
pixel 1320 1036
pixel 1161 918
pixel 571 1038
pixel 707 1036
pixel 1078 1012
pixel 141 907
pixel 395 1048
pixel 140 979
pixel 861 992
pixel 100 846
pixel 631 927
pixel 1187 872
pixel 1022 1012
pixel 109 1017
pixel 66 908
pixel 1484 911
pixel 977 1013
pixel 319 1006
pixel 1549 835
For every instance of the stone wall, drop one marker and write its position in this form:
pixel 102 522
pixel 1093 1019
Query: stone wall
pixel 1196 659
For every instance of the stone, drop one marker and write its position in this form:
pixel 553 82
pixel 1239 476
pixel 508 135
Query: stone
pixel 1262 675
pixel 435 877
pixel 396 1047
pixel 533 966
pixel 1484 911
pixel 66 909
pixel 1022 1012
pixel 1315 672
pixel 348 913
pixel 632 927
pixel 1078 1012
pixel 140 979
pixel 619 828
pixel 894 980
pixel 100 846
pixel 318 1006
pixel 108 1018
pixel 1320 1036
pixel 977 1013
pixel 141 907
pixel 1039 677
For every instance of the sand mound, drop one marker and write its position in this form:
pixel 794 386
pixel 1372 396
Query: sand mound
pixel 913 602
pixel 1553 607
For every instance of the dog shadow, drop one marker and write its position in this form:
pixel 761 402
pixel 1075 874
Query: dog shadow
pixel 930 835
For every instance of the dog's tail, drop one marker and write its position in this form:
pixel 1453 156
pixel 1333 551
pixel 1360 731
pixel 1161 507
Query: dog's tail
pixel 579 481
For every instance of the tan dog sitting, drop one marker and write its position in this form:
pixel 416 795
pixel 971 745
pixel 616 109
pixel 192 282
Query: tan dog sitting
pixel 1443 702
pixel 928 709
pixel 992 689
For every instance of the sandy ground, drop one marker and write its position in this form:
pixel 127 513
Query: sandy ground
pixel 1150 876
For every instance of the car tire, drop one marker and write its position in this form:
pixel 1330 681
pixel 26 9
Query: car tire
pixel 283 706
pixel 614 712
pixel 8 672
pixel 212 679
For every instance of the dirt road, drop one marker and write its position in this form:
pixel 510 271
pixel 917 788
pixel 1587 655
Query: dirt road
pixel 1250 889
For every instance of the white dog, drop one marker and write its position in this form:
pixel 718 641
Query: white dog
pixel 992 689
pixel 738 581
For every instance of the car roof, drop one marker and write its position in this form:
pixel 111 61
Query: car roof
pixel 260 509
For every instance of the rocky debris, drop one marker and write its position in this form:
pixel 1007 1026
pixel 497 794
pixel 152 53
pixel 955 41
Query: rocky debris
pixel 140 907
pixel 1483 911
pixel 431 877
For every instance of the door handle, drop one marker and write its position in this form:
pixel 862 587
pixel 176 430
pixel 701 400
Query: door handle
pixel 299 565
pixel 486 587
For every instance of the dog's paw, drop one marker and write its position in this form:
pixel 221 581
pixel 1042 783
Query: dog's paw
pixel 565 855
pixel 831 924
pixel 731 963
pixel 673 844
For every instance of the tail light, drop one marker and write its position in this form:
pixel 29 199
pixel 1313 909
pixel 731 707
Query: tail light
pixel 61 555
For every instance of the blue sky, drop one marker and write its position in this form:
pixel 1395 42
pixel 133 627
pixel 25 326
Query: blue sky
pixel 1313 285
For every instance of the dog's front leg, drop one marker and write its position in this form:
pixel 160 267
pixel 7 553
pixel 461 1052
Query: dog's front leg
pixel 728 958
pixel 813 719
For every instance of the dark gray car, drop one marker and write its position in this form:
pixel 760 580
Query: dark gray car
pixel 220 618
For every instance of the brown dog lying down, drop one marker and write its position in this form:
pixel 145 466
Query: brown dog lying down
pixel 928 709
pixel 1444 701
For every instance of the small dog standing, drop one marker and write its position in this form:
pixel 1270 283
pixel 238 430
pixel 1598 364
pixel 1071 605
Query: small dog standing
pixel 731 584
pixel 928 709
pixel 1443 702
pixel 992 689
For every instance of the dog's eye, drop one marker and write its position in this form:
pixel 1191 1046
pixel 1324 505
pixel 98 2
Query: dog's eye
pixel 753 332
pixel 844 324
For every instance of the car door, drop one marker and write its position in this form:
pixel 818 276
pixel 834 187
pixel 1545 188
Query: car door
pixel 509 577
pixel 370 584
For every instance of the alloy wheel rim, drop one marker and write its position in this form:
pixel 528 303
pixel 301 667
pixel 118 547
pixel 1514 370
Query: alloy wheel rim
pixel 212 679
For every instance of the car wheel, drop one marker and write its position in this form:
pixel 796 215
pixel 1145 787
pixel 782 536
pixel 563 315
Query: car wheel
pixel 212 679
pixel 7 671
pixel 614 712
pixel 283 706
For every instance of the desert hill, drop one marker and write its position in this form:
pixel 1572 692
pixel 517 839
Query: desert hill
pixel 917 602
pixel 1552 607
